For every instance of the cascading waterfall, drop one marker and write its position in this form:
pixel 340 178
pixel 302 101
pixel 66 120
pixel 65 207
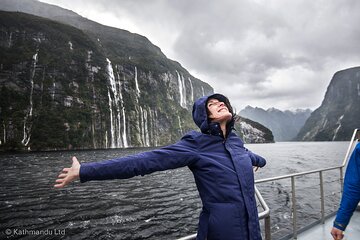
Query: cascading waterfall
pixel 142 115
pixel 338 128
pixel 155 138
pixel 91 76
pixel 180 126
pixel 10 40
pixel 141 124
pixel 151 125
pixel 191 90
pixel 106 139
pixel 3 140
pixel 136 83
pixel 70 45
pixel 27 124
pixel 146 132
pixel 358 88
pixel 118 139
pixel 112 128
pixel 53 91
pixel 125 131
pixel 202 89
pixel 182 90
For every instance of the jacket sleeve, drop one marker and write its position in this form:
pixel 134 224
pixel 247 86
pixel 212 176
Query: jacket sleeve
pixel 180 154
pixel 351 194
pixel 256 160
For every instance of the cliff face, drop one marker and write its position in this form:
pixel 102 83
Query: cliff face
pixel 253 132
pixel 70 83
pixel 285 125
pixel 339 113
pixel 63 88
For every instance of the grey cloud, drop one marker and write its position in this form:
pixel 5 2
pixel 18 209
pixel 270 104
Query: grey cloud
pixel 244 48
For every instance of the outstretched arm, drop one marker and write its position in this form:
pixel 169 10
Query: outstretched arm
pixel 68 174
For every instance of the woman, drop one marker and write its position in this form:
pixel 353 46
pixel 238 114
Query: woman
pixel 222 168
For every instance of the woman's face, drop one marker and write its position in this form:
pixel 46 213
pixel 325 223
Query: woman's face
pixel 218 112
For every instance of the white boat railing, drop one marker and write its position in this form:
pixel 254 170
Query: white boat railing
pixel 265 214
pixel 354 140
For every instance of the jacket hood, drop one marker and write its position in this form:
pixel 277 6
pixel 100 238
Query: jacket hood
pixel 200 115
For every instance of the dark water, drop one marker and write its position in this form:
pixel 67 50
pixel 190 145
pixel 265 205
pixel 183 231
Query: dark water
pixel 163 205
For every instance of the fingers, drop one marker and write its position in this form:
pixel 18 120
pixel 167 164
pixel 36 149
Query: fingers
pixel 61 181
pixel 59 185
pixel 63 175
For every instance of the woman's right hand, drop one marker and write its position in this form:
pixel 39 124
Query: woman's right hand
pixel 68 174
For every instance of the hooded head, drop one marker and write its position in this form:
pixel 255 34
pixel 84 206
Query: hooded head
pixel 200 112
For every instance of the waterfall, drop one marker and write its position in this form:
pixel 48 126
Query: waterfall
pixel 4 135
pixel 338 128
pixel 146 132
pixel 10 40
pixel 94 106
pixel 124 134
pixel 182 90
pixel 202 89
pixel 136 83
pixel 106 138
pixel 28 125
pixel 117 114
pixel 191 90
pixel 358 89
pixel 139 124
pixel 70 45
pixel 180 126
pixel 112 129
pixel 124 128
pixel 53 91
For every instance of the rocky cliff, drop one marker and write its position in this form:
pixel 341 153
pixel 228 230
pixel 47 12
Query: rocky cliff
pixel 285 125
pixel 62 88
pixel 253 132
pixel 70 83
pixel 339 113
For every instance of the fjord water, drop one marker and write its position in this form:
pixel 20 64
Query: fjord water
pixel 163 205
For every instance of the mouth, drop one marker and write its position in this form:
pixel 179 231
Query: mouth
pixel 222 109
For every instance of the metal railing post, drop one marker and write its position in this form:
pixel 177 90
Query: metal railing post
pixel 293 199
pixel 341 179
pixel 267 228
pixel 322 199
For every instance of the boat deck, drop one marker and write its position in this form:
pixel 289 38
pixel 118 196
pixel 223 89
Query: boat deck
pixel 322 231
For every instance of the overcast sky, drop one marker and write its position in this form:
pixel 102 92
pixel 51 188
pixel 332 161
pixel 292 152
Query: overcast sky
pixel 264 53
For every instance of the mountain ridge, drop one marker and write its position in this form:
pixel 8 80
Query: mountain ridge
pixel 339 113
pixel 284 124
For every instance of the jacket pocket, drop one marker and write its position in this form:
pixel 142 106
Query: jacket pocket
pixel 227 221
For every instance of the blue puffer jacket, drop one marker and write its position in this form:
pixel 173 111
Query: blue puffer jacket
pixel 351 194
pixel 223 172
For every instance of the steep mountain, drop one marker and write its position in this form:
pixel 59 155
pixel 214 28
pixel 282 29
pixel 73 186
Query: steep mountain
pixel 284 124
pixel 86 86
pixel 339 113
pixel 61 88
